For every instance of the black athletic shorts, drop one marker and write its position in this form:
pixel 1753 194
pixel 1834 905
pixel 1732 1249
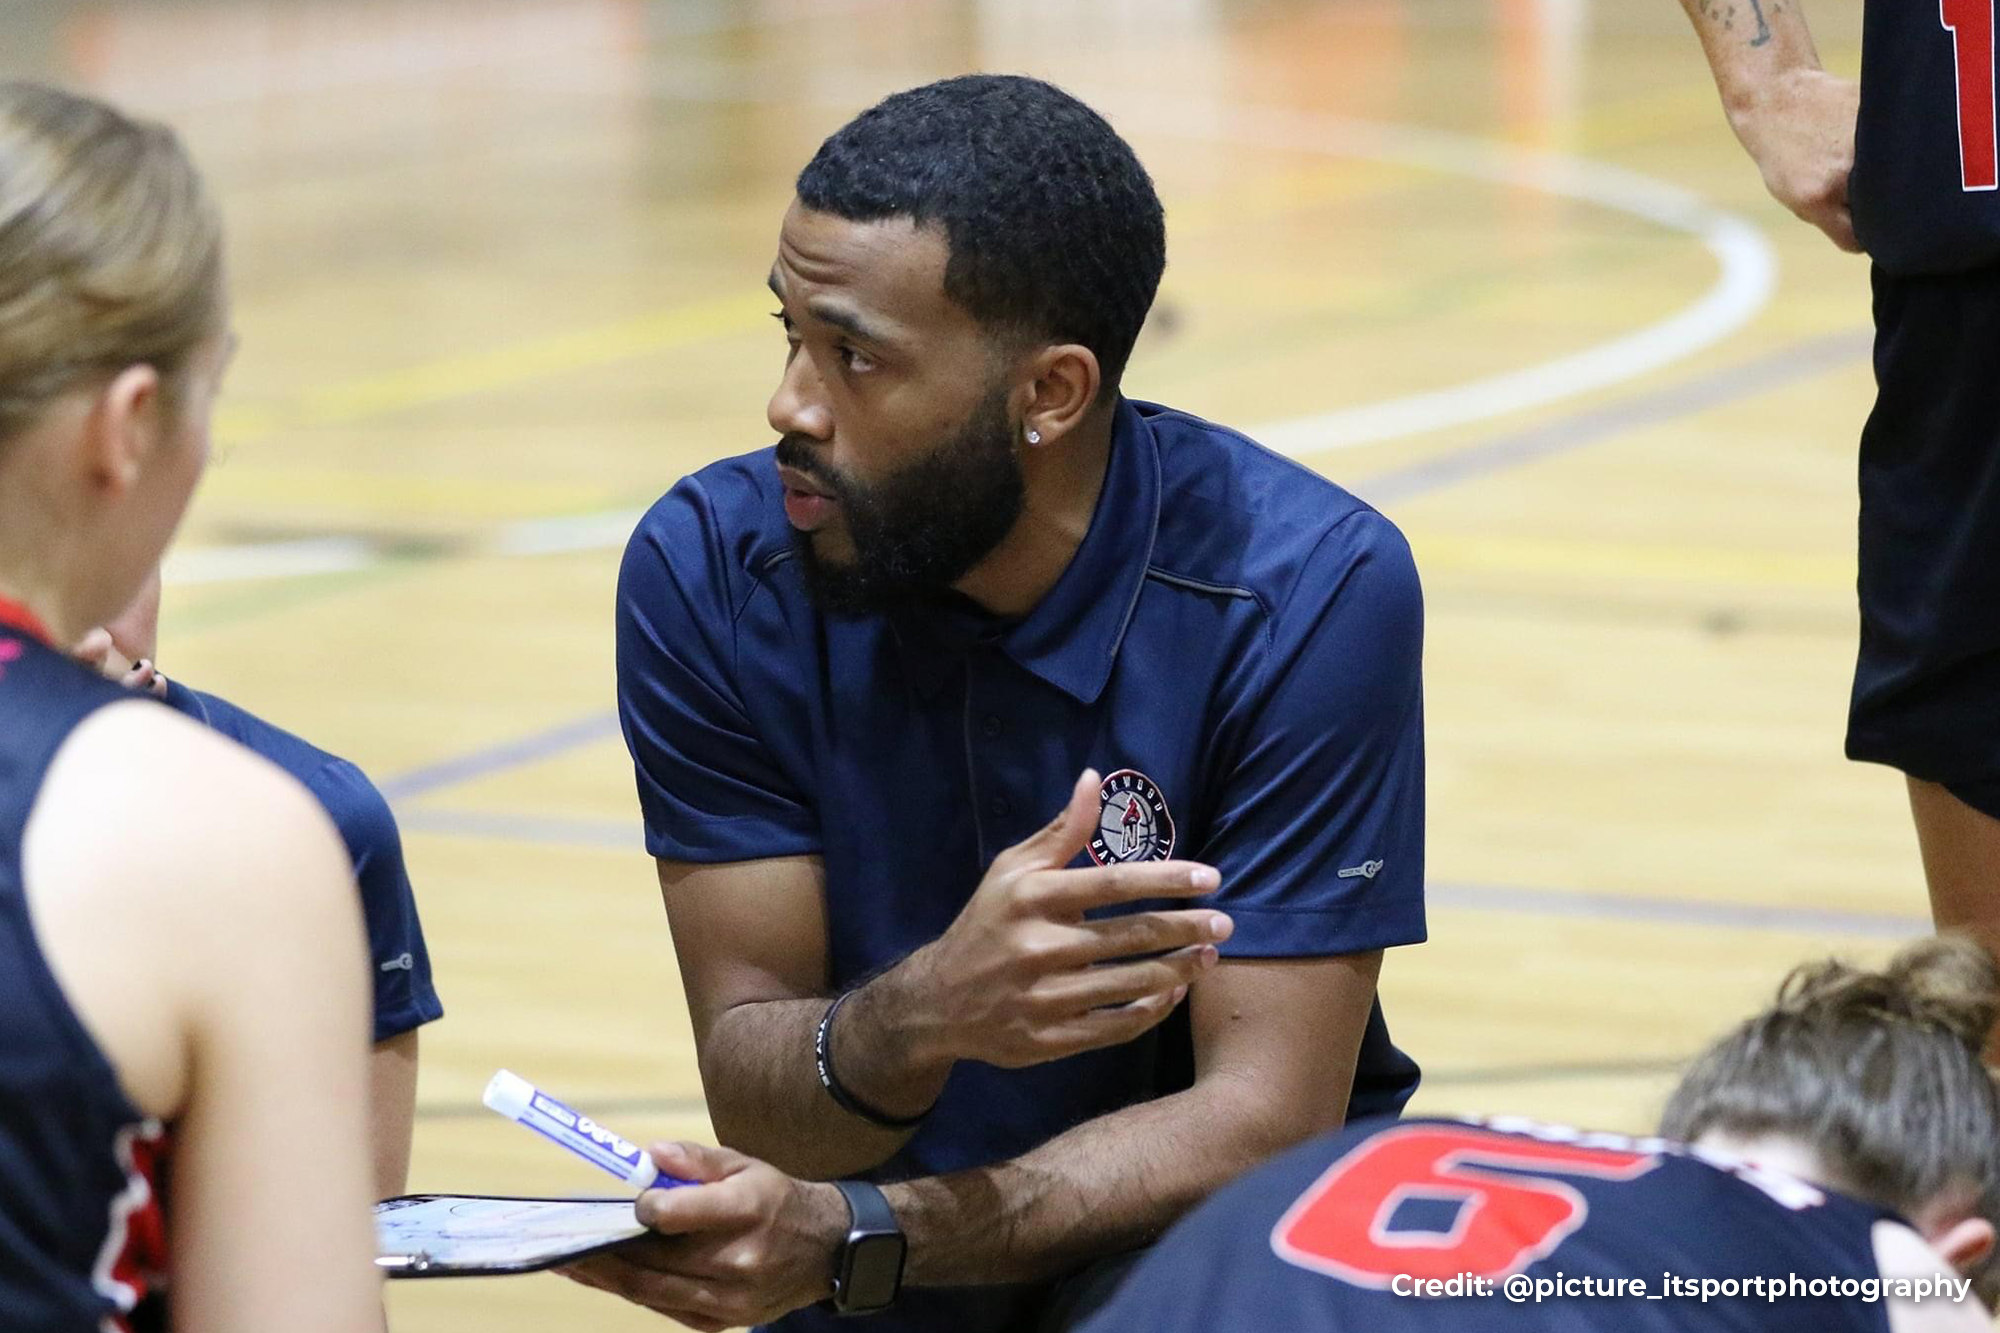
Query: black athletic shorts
pixel 1927 686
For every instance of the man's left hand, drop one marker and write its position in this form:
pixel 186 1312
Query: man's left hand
pixel 1799 128
pixel 744 1245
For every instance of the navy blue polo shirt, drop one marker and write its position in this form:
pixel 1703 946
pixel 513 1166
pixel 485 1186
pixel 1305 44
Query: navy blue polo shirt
pixel 1236 644
pixel 401 966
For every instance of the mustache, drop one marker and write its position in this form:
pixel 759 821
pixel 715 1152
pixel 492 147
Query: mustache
pixel 796 453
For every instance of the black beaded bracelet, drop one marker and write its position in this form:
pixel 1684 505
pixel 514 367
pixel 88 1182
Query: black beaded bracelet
pixel 845 1100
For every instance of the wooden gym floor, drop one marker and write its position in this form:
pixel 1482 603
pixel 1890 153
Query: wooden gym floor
pixel 1495 264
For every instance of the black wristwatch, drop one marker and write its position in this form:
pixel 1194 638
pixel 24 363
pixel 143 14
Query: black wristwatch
pixel 868 1271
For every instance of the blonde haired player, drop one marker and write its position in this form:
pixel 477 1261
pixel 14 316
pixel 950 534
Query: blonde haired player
pixel 180 958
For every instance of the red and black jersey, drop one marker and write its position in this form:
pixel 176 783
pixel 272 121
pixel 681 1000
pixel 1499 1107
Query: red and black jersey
pixel 82 1236
pixel 1926 186
pixel 1340 1234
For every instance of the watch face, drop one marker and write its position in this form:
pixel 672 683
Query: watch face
pixel 874 1272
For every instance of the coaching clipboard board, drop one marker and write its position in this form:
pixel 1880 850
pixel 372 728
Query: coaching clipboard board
pixel 478 1235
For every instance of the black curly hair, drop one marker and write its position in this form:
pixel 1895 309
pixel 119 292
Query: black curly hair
pixel 1053 228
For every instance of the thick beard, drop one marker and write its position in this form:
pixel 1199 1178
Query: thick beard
pixel 924 527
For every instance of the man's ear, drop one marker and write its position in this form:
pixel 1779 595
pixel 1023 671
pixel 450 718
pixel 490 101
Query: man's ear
pixel 123 428
pixel 1063 390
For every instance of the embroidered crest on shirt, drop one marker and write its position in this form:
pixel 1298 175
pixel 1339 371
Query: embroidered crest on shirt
pixel 1132 820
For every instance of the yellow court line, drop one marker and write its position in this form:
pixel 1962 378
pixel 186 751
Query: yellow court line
pixel 428 383
pixel 1653 116
pixel 483 495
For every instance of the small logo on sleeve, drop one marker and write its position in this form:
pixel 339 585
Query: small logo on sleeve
pixel 1132 821
pixel 402 962
pixel 1366 870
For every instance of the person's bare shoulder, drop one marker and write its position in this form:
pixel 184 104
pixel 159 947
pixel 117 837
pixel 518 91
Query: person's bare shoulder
pixel 170 873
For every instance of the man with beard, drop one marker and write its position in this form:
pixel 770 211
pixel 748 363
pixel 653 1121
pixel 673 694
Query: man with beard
pixel 857 672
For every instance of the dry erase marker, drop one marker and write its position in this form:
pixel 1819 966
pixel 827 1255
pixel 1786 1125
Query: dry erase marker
pixel 525 1104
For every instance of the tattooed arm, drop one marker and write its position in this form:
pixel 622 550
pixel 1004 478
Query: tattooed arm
pixel 1796 120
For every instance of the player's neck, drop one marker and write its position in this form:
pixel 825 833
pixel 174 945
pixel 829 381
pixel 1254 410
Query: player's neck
pixel 1063 484
pixel 1772 1152
pixel 28 605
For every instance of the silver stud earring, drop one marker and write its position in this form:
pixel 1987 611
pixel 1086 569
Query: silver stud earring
pixel 1034 437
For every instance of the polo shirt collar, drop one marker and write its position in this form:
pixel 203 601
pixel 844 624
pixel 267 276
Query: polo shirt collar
pixel 1072 636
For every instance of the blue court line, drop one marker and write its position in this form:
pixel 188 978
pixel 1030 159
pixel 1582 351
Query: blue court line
pixel 1575 904
pixel 1715 388
pixel 1595 905
pixel 1700 393
pixel 529 749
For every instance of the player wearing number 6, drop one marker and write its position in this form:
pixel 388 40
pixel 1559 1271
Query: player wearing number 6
pixel 1848 1134
pixel 1923 203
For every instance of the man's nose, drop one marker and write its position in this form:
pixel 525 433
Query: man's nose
pixel 799 406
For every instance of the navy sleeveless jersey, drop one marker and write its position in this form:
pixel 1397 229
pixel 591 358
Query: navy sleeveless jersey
pixel 81 1237
pixel 1333 1235
pixel 1926 162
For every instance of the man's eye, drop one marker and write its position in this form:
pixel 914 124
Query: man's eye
pixel 856 360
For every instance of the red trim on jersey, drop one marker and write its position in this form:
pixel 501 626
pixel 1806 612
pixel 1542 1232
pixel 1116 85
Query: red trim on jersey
pixel 14 614
pixel 133 1262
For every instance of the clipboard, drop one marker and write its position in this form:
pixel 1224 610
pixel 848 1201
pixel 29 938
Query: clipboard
pixel 485 1235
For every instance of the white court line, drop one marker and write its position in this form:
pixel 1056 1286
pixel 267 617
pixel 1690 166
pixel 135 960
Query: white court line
pixel 1746 278
pixel 1743 286
pixel 270 560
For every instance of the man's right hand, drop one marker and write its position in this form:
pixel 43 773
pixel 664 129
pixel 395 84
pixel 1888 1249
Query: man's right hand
pixel 1021 977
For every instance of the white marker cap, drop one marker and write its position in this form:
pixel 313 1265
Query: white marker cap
pixel 509 1094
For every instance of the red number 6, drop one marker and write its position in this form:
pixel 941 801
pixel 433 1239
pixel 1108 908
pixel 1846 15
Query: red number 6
pixel 1504 1221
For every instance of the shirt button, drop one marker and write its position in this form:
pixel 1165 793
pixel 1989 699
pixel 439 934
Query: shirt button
pixel 1001 807
pixel 992 726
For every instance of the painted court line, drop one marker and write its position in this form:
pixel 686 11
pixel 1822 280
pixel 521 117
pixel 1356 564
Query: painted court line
pixel 1472 1077
pixel 1587 905
pixel 530 749
pixel 1747 275
pixel 1747 266
pixel 1713 389
pixel 1700 393
pixel 1579 905
pixel 608 529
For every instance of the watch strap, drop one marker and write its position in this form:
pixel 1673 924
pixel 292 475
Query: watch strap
pixel 867 1208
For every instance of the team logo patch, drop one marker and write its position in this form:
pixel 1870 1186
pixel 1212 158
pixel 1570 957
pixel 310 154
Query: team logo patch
pixel 1132 821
